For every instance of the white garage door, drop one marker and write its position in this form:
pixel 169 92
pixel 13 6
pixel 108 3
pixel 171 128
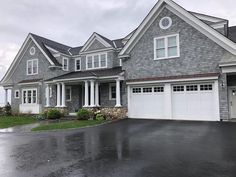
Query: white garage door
pixel 147 102
pixel 193 102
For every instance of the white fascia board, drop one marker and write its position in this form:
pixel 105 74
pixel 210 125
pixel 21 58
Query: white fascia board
pixel 173 80
pixel 96 51
pixel 229 69
pixel 91 40
pixel 207 17
pixel 52 49
pixel 219 25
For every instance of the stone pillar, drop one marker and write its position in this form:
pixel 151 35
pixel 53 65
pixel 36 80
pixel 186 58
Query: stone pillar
pixel 97 94
pixel 118 93
pixel 86 94
pixel 63 95
pixel 92 93
pixel 6 96
pixel 58 95
pixel 47 96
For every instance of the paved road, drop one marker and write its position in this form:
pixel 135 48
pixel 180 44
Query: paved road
pixel 129 148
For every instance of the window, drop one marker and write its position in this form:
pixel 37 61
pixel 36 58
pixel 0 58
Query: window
pixel 137 90
pixel 32 67
pixel 96 61
pixel 158 89
pixel 178 88
pixel 147 90
pixel 29 96
pixel 65 62
pixel 165 23
pixel 17 94
pixel 192 88
pixel 32 50
pixel 206 87
pixel 68 93
pixel 77 64
pixel 112 91
pixel 166 47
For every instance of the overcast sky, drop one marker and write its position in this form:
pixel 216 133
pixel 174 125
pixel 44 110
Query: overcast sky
pixel 72 22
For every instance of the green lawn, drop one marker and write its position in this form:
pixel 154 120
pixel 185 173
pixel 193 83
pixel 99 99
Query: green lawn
pixel 68 125
pixel 11 121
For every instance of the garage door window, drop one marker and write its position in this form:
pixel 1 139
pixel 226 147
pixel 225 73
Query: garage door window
pixel 147 90
pixel 137 90
pixel 158 89
pixel 178 88
pixel 206 87
pixel 191 88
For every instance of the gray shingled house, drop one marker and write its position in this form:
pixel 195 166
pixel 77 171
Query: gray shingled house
pixel 176 65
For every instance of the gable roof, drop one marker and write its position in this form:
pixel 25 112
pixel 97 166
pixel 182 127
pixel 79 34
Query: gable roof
pixel 38 41
pixel 187 17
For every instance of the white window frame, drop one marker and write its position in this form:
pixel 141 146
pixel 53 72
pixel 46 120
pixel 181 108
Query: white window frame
pixel 77 59
pixel 18 94
pixel 110 93
pixel 68 87
pixel 32 64
pixel 63 64
pixel 31 89
pixel 99 56
pixel 166 46
pixel 50 91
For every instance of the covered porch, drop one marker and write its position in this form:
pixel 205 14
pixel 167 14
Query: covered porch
pixel 78 90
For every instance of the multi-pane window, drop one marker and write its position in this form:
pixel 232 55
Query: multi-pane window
pixel 68 93
pixel 32 67
pixel 96 61
pixel 65 65
pixel 77 64
pixel 112 91
pixel 158 89
pixel 137 90
pixel 206 87
pixel 29 96
pixel 147 90
pixel 190 88
pixel 166 47
pixel 179 88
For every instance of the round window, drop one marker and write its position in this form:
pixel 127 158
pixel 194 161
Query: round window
pixel 165 23
pixel 32 50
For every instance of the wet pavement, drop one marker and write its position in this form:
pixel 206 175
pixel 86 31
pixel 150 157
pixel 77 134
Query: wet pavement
pixel 20 128
pixel 129 148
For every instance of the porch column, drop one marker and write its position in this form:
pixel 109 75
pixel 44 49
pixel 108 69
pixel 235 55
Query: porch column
pixel 97 94
pixel 86 94
pixel 58 95
pixel 47 96
pixel 6 96
pixel 63 94
pixel 118 93
pixel 92 93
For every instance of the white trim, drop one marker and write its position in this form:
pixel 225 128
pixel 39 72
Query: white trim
pixel 229 69
pixel 207 17
pixel 69 88
pixel 32 66
pixel 32 52
pixel 166 46
pixel 52 49
pixel 29 89
pixel 110 93
pixel 173 80
pixel 63 64
pixel 57 55
pixel 165 27
pixel 186 16
pixel 217 99
pixel 99 60
pixel 95 51
pixel 92 38
pixel 219 25
pixel 76 59
pixel 18 94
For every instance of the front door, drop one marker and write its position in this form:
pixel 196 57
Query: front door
pixel 232 102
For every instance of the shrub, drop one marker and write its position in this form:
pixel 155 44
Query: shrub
pixel 85 114
pixel 100 116
pixel 7 110
pixel 53 114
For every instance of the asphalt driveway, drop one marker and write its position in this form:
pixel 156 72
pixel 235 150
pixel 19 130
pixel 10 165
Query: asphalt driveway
pixel 129 148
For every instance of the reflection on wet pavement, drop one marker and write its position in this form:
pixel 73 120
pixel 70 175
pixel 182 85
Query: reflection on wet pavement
pixel 130 148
